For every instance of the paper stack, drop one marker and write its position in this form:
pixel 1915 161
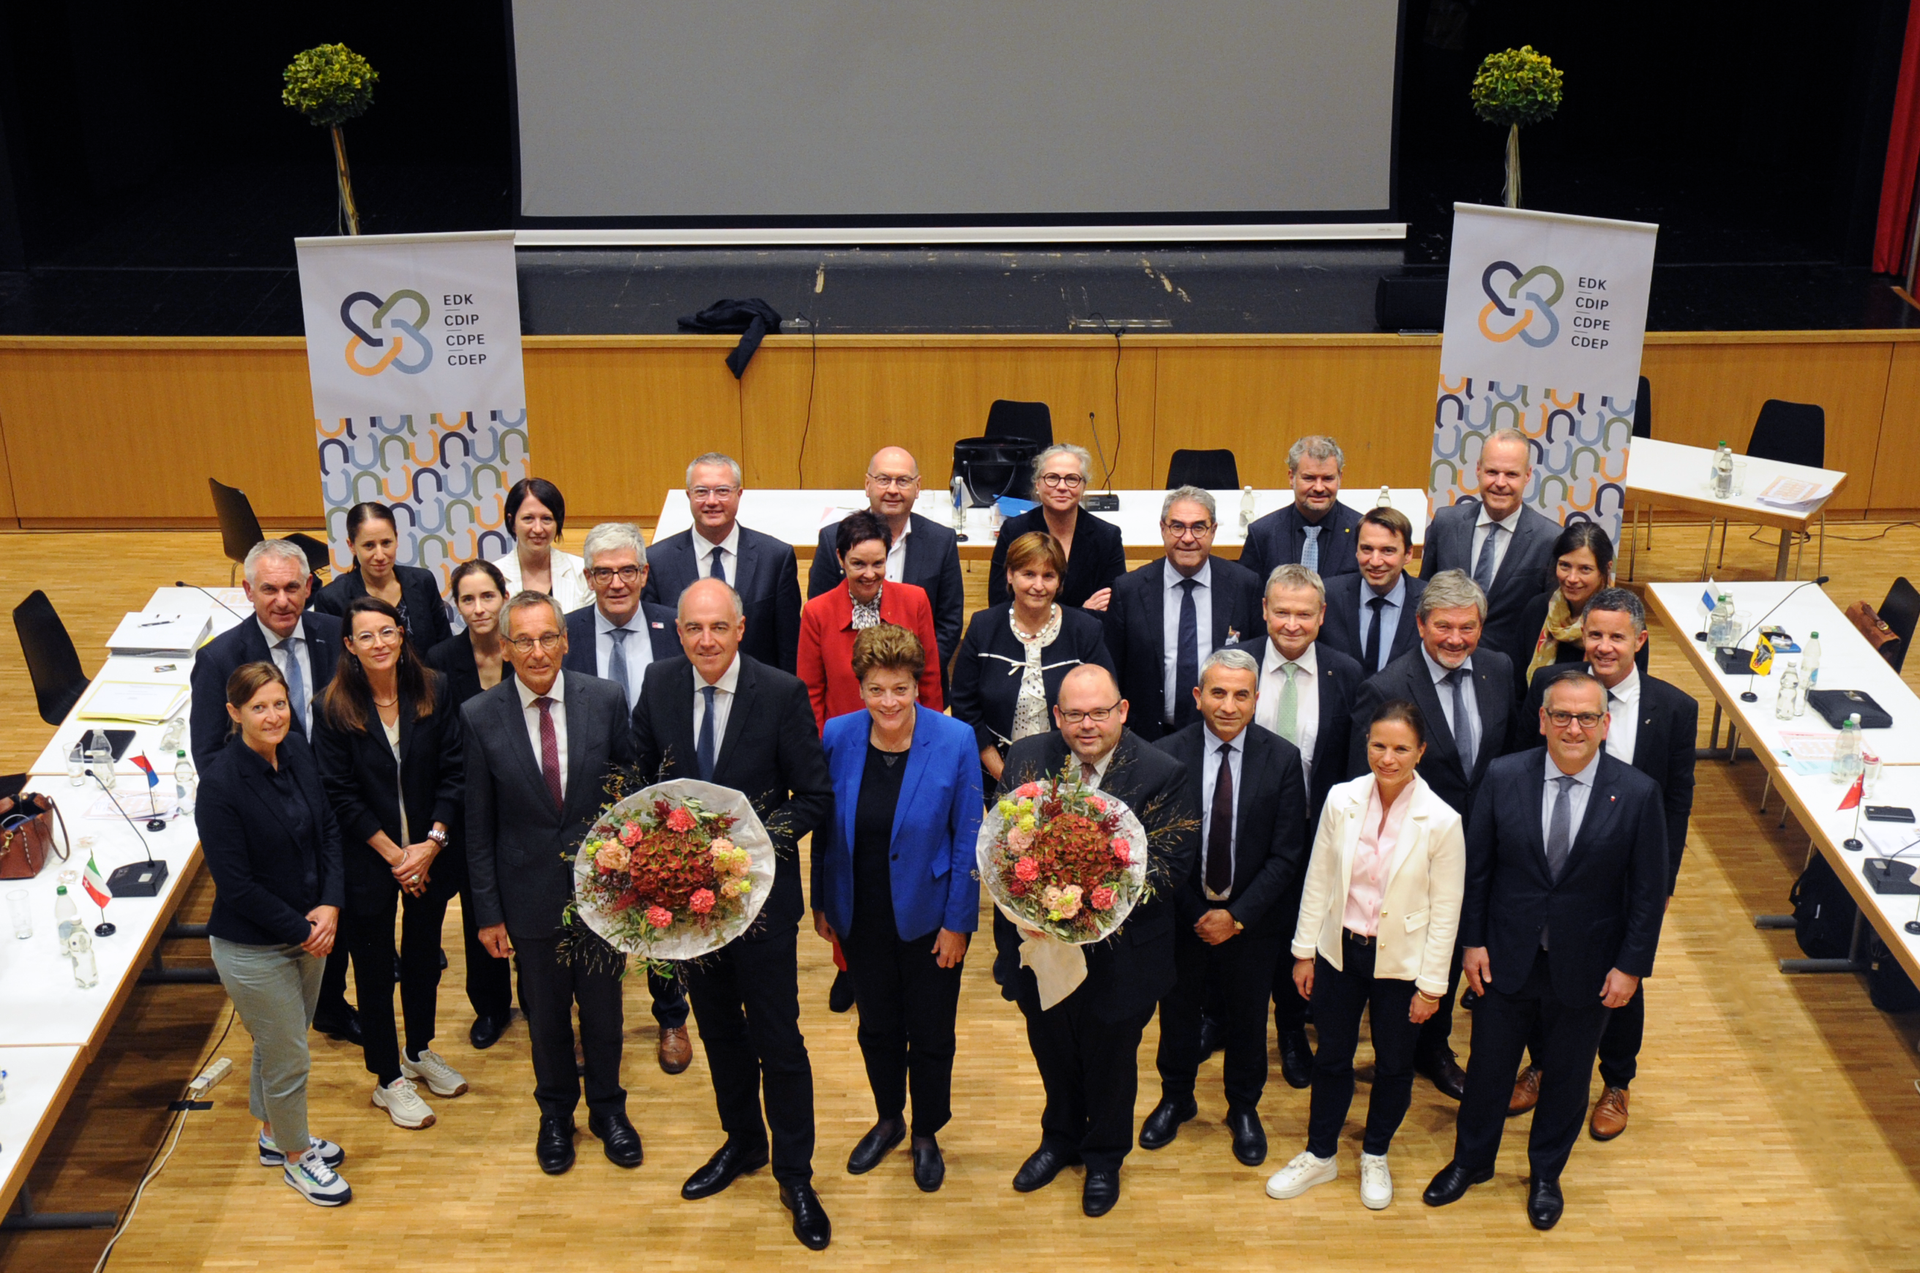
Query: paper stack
pixel 1793 493
pixel 147 634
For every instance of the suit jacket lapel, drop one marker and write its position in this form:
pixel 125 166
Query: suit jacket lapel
pixel 1222 606
pixel 736 718
pixel 1427 696
pixel 742 580
pixel 577 724
pixel 264 793
pixel 1601 803
pixel 910 781
pixel 512 722
pixel 1523 533
pixel 1493 718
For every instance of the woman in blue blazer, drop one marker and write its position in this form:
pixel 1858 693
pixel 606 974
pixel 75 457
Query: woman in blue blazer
pixel 893 880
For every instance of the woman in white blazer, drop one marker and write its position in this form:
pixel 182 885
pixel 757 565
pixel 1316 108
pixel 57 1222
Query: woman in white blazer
pixel 1379 912
pixel 536 517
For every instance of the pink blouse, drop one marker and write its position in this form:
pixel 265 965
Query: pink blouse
pixel 1371 858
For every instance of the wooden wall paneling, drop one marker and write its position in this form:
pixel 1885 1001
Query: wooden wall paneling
pixel 613 423
pixel 109 429
pixel 1896 463
pixel 1373 395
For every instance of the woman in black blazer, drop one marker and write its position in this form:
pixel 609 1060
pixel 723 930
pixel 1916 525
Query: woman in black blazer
pixel 388 739
pixel 274 853
pixel 473 661
pixel 1007 673
pixel 1090 546
pixel 410 590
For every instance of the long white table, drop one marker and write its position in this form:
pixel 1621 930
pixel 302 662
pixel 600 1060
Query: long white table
pixel 1672 475
pixel 1846 662
pixel 797 516
pixel 39 1082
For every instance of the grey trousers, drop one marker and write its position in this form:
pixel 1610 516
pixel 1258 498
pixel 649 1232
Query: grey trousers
pixel 274 988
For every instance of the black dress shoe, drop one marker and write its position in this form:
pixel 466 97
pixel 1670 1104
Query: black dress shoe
pixel 1296 1059
pixel 554 1147
pixel 618 1138
pixel 1100 1192
pixel 344 1026
pixel 1544 1203
pixel 840 997
pixel 1452 1184
pixel 443 959
pixel 486 1031
pixel 1249 1137
pixel 1445 1072
pixel 1042 1165
pixel 728 1162
pixel 810 1223
pixel 1212 1033
pixel 875 1146
pixel 929 1168
pixel 1164 1123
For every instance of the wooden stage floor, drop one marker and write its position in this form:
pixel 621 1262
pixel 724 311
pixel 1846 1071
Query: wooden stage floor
pixel 1775 1119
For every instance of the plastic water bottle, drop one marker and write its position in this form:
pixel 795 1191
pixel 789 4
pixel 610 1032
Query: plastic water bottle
pixel 1810 662
pixel 957 492
pixel 1847 764
pixel 1720 623
pixel 100 756
pixel 1722 472
pixel 66 916
pixel 1789 692
pixel 185 786
pixel 174 734
pixel 79 947
pixel 1246 508
pixel 1385 498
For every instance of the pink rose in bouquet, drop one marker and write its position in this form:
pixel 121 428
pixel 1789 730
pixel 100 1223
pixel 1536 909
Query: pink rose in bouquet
pixel 659 917
pixel 680 819
pixel 632 833
pixel 611 857
pixel 701 902
pixel 1027 870
pixel 1101 899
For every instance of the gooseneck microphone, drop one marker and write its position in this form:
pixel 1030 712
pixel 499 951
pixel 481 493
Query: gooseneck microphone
pixel 1811 583
pixel 181 583
pixel 136 879
pixel 1734 665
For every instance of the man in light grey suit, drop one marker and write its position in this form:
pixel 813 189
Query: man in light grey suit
pixel 1498 542
pixel 541 747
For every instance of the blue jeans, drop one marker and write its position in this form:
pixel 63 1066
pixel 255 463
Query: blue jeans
pixel 274 988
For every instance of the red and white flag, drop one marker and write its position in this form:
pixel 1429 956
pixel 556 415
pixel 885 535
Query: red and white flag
pixel 1852 798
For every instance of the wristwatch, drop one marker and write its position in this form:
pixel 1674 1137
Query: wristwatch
pixel 438 836
pixel 1238 927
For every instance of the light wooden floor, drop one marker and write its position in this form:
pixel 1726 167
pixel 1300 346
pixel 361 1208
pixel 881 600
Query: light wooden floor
pixel 1775 1120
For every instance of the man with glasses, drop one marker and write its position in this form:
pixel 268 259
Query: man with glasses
pixel 759 567
pixel 541 748
pixel 1316 530
pixel 924 553
pixel 1087 1045
pixel 1095 554
pixel 616 638
pixel 1169 615
pixel 1566 886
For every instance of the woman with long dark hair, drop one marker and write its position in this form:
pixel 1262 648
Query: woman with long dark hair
pixel 389 744
pixel 375 538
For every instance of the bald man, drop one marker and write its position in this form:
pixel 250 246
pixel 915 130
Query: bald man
pixel 1087 1045
pixel 924 553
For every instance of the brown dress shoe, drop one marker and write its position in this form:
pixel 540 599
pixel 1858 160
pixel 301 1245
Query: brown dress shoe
pixel 1526 1091
pixel 1609 1114
pixel 676 1051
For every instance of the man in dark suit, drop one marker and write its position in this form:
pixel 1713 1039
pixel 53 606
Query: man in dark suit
pixel 1498 542
pixel 1458 685
pixel 1566 880
pixel 1169 615
pixel 304 644
pixel 924 553
pixel 617 638
pixel 1316 531
pixel 1370 612
pixel 1655 727
pixel 1230 918
pixel 1307 693
pixel 758 567
pixel 1086 1046
pixel 540 751
pixel 722 717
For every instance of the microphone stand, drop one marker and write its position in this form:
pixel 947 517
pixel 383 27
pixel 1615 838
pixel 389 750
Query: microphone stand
pixel 136 879
pixel 1750 631
pixel 181 583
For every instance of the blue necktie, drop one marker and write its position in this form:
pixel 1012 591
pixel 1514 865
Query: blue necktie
pixel 1310 551
pixel 1186 659
pixel 1483 569
pixel 716 565
pixel 1462 722
pixel 296 686
pixel 703 750
pixel 617 663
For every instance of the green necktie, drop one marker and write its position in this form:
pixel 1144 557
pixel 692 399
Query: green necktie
pixel 1288 716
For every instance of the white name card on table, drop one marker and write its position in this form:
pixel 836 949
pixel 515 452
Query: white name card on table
pixel 138 702
pixel 148 634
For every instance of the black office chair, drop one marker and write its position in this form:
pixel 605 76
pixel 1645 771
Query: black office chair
pixel 1901 612
pixel 240 531
pixel 1209 470
pixel 989 468
pixel 1790 433
pixel 1029 420
pixel 52 661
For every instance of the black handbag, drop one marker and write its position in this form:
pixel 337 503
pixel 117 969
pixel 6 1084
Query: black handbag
pixel 1823 912
pixel 1835 706
pixel 1887 982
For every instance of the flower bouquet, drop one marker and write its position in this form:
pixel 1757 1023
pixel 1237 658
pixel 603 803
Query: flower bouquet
pixel 1062 859
pixel 673 872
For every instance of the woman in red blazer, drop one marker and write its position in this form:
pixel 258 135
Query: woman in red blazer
pixel 831 620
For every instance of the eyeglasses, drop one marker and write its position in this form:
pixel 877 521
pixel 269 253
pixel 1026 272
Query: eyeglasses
pixel 1098 715
pixel 549 642
pixel 1588 720
pixel 379 636
pixel 607 574
pixel 712 492
pixel 889 482
pixel 1068 480
pixel 1180 530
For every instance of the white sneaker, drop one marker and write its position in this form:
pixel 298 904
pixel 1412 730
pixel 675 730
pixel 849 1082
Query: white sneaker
pixel 401 1100
pixel 432 1068
pixel 330 1153
pixel 1376 1182
pixel 1300 1175
pixel 316 1182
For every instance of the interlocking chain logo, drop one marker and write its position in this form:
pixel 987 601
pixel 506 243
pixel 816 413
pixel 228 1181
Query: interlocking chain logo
pixel 1522 288
pixel 400 335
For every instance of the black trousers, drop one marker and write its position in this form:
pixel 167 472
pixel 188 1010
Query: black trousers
pixel 1289 1009
pixel 1237 974
pixel 1502 1023
pixel 907 1007
pixel 333 978
pixel 1619 1043
pixel 1340 995
pixel 1090 1070
pixel 746 1001
pixel 489 980
pixel 669 1000
pixel 1436 1035
pixel 549 988
pixel 370 916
